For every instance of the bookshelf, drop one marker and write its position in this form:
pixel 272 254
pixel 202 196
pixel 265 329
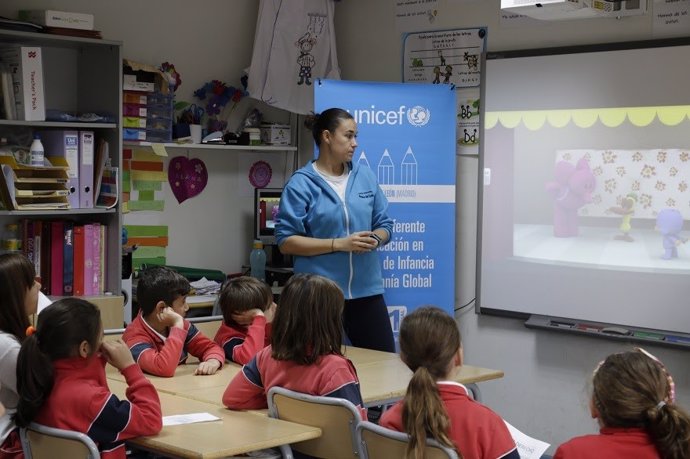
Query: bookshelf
pixel 81 75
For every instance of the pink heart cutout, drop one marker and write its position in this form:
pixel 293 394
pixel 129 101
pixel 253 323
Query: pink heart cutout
pixel 187 177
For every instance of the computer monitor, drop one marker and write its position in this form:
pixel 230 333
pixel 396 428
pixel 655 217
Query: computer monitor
pixel 266 205
pixel 266 201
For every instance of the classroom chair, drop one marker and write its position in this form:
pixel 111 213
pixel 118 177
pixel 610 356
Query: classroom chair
pixel 376 442
pixel 336 417
pixel 43 442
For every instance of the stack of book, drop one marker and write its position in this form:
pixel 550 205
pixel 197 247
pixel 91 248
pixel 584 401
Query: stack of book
pixel 70 258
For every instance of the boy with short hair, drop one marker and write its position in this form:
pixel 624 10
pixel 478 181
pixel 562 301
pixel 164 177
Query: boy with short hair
pixel 248 310
pixel 159 338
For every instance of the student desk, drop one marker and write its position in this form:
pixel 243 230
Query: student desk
pixel 382 375
pixel 237 432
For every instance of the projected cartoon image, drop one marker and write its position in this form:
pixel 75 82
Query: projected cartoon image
pixel 571 189
pixel 669 223
pixel 627 210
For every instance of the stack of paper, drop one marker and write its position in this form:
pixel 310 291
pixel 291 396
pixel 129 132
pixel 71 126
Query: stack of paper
pixel 205 287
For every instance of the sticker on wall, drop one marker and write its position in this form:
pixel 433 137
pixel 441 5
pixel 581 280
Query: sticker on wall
pixel 187 177
pixel 260 174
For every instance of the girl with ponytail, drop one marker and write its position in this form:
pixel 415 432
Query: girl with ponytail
pixel 435 406
pixel 19 293
pixel 61 380
pixel 633 400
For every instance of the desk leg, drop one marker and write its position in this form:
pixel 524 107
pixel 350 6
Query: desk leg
pixel 474 391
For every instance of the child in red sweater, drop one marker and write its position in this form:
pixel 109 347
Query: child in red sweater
pixel 248 310
pixel 61 380
pixel 434 405
pixel 305 354
pixel 159 338
pixel 633 399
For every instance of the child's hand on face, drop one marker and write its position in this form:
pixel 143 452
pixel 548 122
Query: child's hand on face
pixel 208 367
pixel 247 317
pixel 168 317
pixel 117 354
pixel 270 313
pixel 2 409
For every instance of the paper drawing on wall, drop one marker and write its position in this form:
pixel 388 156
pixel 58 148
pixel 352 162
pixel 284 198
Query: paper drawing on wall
pixel 187 177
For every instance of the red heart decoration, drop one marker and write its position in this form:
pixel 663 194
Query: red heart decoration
pixel 187 177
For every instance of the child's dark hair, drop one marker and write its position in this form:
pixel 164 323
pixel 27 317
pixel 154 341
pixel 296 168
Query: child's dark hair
pixel 17 275
pixel 242 294
pixel 429 339
pixel 327 120
pixel 309 320
pixel 160 283
pixel 634 389
pixel 61 329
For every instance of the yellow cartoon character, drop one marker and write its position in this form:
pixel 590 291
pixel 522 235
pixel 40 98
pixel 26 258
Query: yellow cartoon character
pixel 627 209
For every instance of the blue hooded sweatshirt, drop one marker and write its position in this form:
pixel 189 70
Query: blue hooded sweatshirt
pixel 309 207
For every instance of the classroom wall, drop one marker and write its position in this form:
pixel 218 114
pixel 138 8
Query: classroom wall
pixel 545 389
pixel 205 40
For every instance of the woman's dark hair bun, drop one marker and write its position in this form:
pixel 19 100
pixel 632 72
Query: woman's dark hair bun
pixel 310 120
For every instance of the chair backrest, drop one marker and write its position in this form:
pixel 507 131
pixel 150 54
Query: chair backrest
pixel 377 442
pixel 42 442
pixel 336 417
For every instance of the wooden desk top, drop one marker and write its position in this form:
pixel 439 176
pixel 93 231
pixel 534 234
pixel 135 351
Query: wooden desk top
pixel 237 432
pixel 382 375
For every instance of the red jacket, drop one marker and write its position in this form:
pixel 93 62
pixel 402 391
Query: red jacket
pixel 612 443
pixel 81 401
pixel 332 376
pixel 160 355
pixel 476 431
pixel 242 343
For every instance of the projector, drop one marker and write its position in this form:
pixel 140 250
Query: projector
pixel 547 10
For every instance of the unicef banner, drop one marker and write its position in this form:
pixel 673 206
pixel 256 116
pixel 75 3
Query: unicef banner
pixel 406 135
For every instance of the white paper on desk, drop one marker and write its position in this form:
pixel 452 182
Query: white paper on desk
pixel 43 302
pixel 528 447
pixel 190 418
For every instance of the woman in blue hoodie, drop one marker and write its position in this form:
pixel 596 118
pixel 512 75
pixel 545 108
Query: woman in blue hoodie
pixel 333 217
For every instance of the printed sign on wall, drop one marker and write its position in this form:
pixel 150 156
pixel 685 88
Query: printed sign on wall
pixel 406 135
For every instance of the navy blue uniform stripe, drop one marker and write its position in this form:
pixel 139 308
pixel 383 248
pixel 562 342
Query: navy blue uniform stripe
pixel 112 420
pixel 138 348
pixel 251 372
pixel 229 346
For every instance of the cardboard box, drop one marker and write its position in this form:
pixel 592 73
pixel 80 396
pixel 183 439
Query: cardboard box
pixel 52 18
pixel 112 309
pixel 275 134
pixel 143 77
pixel 26 66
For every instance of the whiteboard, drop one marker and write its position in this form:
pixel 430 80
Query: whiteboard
pixel 548 245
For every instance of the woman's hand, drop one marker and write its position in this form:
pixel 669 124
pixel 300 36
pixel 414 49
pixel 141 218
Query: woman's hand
pixel 359 242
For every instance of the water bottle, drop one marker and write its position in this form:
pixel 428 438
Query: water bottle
pixel 257 260
pixel 37 152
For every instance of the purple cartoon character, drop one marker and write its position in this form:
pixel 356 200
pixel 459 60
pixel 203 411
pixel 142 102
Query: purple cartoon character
pixel 669 223
pixel 571 189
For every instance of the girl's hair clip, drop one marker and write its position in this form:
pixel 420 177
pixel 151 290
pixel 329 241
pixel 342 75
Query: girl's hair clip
pixel 30 330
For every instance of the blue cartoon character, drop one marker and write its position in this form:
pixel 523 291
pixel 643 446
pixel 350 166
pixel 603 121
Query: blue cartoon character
pixel 669 223
pixel 305 60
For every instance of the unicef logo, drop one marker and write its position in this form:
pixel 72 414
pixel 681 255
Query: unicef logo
pixel 418 116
